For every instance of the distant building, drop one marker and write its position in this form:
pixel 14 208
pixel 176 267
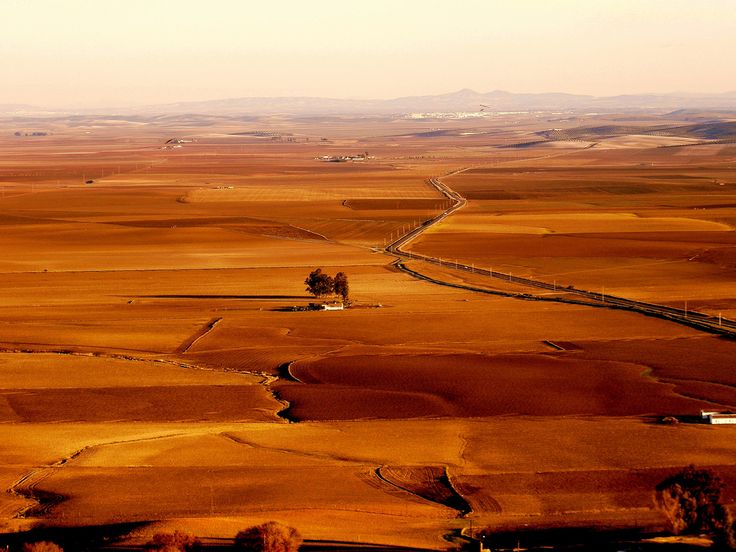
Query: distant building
pixel 334 306
pixel 719 418
pixel 345 158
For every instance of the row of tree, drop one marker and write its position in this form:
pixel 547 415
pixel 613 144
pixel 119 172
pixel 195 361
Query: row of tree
pixel 320 284
pixel 689 499
pixel 267 537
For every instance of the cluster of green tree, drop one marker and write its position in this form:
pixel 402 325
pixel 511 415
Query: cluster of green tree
pixel 691 502
pixel 320 284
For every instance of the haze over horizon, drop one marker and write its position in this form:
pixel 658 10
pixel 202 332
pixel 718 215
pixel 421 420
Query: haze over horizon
pixel 129 53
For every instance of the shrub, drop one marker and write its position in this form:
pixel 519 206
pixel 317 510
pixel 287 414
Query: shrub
pixel 691 501
pixel 178 541
pixel 43 546
pixel 269 537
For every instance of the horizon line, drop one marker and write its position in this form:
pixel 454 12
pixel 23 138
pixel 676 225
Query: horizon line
pixel 135 105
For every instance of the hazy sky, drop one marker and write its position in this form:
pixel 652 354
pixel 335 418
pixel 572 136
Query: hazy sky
pixel 125 52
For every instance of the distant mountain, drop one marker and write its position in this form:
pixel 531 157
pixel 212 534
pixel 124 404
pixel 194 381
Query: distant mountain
pixel 462 100
pixel 465 100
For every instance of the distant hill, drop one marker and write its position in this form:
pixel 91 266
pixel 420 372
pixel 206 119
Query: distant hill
pixel 461 101
pixel 16 108
pixel 712 130
pixel 465 100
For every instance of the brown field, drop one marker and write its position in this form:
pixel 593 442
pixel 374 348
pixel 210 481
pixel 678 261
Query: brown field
pixel 151 361
pixel 474 385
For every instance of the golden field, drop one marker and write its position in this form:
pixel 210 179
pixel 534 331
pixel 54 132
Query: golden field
pixel 152 369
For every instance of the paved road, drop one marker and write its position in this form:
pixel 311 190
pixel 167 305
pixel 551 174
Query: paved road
pixel 705 322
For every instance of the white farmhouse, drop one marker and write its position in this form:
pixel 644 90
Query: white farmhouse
pixel 719 418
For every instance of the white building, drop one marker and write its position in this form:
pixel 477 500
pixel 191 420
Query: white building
pixel 719 418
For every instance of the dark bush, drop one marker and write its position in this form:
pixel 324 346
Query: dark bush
pixel 178 541
pixel 691 502
pixel 43 546
pixel 269 537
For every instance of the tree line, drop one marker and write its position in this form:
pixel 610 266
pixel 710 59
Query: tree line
pixel 267 537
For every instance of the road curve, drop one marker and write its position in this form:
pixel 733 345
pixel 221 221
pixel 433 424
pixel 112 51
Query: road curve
pixel 693 319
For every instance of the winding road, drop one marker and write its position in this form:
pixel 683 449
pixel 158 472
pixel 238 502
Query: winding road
pixel 693 319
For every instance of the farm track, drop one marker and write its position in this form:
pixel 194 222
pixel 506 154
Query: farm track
pixel 202 332
pixel 117 356
pixel 693 319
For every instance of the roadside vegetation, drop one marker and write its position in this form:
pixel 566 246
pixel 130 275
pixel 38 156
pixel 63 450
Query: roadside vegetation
pixel 691 502
pixel 269 537
pixel 178 541
pixel 43 546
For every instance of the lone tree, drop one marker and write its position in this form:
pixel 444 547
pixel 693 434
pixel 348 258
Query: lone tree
pixel 691 501
pixel 341 286
pixel 269 537
pixel 319 283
